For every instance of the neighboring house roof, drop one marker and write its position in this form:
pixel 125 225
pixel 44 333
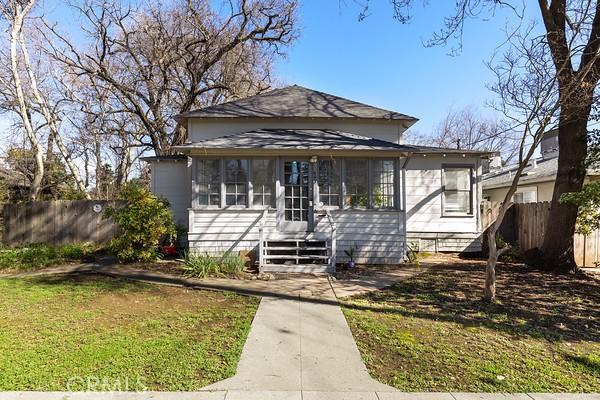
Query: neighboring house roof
pixel 536 171
pixel 308 139
pixel 296 102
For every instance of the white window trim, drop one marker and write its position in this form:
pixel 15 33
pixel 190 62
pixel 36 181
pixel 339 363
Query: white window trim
pixel 471 212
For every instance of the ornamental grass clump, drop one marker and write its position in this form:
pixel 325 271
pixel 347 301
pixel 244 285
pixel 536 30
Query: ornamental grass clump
pixel 201 265
pixel 144 222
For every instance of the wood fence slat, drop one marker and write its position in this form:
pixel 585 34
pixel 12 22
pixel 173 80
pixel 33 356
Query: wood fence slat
pixel 57 222
pixel 529 222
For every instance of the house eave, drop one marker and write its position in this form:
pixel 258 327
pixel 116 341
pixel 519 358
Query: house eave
pixel 289 152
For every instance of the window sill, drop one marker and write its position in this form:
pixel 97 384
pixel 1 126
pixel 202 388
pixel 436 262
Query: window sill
pixel 470 215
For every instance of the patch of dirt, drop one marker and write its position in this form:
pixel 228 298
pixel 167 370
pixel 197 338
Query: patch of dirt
pixel 529 301
pixel 120 300
pixel 365 270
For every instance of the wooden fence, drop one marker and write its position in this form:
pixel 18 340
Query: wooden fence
pixel 525 224
pixel 57 222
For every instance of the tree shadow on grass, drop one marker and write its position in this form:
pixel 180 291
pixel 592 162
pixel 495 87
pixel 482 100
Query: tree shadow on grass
pixel 78 280
pixel 530 303
pixel 590 365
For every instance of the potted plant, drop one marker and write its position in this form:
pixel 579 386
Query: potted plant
pixel 350 253
pixel 169 248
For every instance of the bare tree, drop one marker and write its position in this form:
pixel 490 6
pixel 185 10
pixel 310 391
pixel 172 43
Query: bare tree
pixel 527 88
pixel 572 38
pixel 469 129
pixel 15 12
pixel 161 60
pixel 49 113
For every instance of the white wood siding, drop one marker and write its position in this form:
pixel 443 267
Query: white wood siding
pixel 210 128
pixel 376 236
pixel 425 222
pixel 171 180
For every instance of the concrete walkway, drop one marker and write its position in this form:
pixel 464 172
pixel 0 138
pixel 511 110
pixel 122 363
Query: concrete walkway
pixel 269 395
pixel 298 346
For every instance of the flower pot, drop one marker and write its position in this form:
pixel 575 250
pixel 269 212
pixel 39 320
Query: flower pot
pixel 169 250
pixel 351 264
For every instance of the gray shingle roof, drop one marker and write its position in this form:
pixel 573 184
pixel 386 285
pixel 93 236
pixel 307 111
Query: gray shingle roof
pixel 309 139
pixel 545 171
pixel 296 102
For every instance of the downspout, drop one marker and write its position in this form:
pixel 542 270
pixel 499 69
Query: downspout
pixel 404 211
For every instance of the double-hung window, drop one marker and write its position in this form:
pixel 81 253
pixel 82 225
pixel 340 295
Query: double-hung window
pixel 209 182
pixel 357 183
pixel 457 190
pixel 227 182
pixel 382 183
pixel 329 181
pixel 263 182
pixel 236 182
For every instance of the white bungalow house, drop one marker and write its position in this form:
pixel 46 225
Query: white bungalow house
pixel 300 176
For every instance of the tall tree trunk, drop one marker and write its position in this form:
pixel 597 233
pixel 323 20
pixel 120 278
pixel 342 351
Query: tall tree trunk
pixel 489 291
pixel 557 249
pixel 38 174
pixel 50 118
pixel 99 170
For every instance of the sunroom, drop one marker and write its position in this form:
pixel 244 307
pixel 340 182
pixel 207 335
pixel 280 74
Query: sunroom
pixel 299 197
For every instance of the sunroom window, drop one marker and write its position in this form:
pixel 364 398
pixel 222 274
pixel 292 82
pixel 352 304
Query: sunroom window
pixel 382 181
pixel 328 179
pixel 357 183
pixel 209 182
pixel 236 182
pixel 457 188
pixel 263 181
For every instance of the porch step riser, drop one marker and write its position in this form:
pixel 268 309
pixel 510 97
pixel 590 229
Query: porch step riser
pixel 294 255
pixel 298 268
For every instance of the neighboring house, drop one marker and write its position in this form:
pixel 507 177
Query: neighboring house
pixel 275 172
pixel 537 180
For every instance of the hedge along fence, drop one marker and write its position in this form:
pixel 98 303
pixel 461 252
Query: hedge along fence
pixel 58 222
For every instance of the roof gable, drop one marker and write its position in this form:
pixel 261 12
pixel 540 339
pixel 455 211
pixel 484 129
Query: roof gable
pixel 296 102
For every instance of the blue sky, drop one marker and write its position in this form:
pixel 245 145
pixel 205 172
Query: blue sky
pixel 384 63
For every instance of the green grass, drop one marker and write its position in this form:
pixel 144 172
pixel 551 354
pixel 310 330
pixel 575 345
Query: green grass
pixel 433 333
pixel 38 256
pixel 60 333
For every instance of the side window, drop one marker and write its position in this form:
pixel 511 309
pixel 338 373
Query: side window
pixel 328 179
pixel 209 182
pixel 357 183
pixel 525 196
pixel 263 182
pixel 382 181
pixel 236 182
pixel 457 191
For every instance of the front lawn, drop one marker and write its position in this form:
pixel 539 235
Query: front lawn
pixel 61 333
pixel 432 332
pixel 37 256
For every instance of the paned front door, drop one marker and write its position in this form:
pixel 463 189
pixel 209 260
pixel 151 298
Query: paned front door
pixel 298 203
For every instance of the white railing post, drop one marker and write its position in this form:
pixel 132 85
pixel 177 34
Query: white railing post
pixel 261 237
pixel 332 258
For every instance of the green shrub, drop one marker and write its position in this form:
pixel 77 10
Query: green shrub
pixel 144 222
pixel 202 265
pixel 42 255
